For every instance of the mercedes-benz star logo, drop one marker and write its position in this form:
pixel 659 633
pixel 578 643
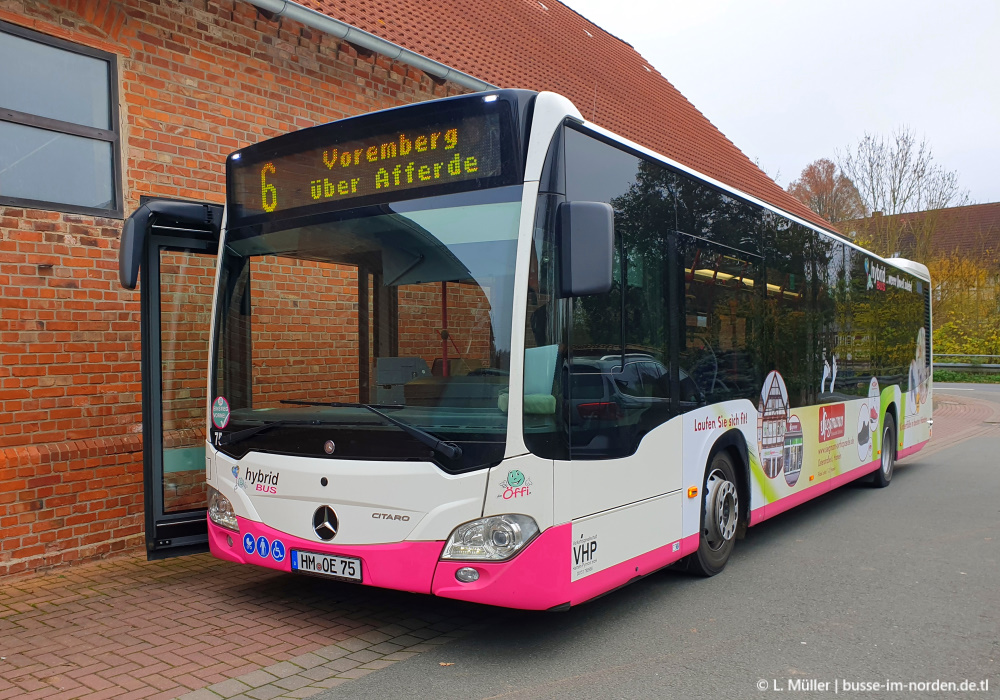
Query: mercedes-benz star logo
pixel 325 523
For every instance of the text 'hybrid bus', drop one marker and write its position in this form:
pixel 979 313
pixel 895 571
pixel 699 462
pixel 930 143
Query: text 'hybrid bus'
pixel 480 348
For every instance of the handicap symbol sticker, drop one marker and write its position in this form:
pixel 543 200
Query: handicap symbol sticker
pixel 263 546
pixel 248 543
pixel 278 550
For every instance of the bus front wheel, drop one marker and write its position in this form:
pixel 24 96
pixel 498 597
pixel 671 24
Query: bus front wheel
pixel 720 516
pixel 883 475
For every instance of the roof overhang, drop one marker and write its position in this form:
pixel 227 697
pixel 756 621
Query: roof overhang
pixel 351 34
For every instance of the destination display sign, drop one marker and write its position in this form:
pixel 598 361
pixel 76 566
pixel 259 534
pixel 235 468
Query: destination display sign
pixel 382 164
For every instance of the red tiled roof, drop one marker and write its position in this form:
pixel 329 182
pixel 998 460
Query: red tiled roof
pixel 547 46
pixel 972 230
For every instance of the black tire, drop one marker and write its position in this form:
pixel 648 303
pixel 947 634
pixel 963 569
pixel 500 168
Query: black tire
pixel 883 475
pixel 716 542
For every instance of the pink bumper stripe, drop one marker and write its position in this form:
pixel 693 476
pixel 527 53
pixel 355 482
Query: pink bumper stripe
pixel 536 579
pixel 620 574
pixel 539 577
pixel 404 566
pixel 770 510
pixel 906 452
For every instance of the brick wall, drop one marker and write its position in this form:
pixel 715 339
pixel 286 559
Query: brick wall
pixel 199 79
pixel 305 332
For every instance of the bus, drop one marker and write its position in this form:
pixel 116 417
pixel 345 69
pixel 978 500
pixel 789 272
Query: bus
pixel 481 348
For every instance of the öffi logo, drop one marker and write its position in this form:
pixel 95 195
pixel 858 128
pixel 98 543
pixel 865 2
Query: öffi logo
pixel 516 485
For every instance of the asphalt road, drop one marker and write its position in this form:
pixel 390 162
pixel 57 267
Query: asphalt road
pixel 862 584
pixel 985 392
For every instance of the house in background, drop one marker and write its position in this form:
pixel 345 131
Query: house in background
pixel 971 231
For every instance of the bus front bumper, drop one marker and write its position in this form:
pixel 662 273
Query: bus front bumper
pixel 537 578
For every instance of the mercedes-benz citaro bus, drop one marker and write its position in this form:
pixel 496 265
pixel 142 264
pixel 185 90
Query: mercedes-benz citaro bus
pixel 483 349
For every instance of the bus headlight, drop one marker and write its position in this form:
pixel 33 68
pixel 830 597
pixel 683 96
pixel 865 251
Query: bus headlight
pixel 490 539
pixel 220 510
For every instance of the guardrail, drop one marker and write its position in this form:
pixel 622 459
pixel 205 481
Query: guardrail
pixel 975 367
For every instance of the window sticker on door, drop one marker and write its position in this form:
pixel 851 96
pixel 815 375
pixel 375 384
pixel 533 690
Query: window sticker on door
pixel 220 413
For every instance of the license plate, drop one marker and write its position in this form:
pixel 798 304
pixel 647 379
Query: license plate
pixel 326 565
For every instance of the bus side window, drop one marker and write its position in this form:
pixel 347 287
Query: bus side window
pixel 722 300
pixel 788 300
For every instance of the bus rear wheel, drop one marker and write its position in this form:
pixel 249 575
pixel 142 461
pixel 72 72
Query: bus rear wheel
pixel 720 516
pixel 883 475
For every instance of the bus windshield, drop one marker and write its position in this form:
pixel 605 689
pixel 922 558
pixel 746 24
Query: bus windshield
pixel 402 307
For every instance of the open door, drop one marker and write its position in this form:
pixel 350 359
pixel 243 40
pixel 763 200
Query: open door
pixel 174 245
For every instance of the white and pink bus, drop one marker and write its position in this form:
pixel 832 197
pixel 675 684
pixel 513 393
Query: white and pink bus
pixel 483 349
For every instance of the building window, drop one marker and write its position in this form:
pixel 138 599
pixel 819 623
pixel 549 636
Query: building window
pixel 59 136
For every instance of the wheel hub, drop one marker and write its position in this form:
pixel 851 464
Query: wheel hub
pixel 888 451
pixel 721 509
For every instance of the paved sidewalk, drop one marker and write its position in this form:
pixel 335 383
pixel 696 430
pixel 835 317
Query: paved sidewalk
pixel 203 629
pixel 958 418
pixel 127 628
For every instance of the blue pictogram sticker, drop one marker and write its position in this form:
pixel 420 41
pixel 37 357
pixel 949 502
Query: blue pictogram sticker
pixel 278 550
pixel 248 543
pixel 263 546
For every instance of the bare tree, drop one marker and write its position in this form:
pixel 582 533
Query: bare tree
pixel 896 174
pixel 828 192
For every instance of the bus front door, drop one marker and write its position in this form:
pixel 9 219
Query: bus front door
pixel 174 245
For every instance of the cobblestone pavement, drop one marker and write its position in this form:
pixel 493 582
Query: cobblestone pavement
pixel 202 629
pixel 199 628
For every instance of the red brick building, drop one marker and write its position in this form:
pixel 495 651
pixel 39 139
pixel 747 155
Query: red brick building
pixel 104 102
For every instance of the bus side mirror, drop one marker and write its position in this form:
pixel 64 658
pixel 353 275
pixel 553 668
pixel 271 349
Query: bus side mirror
pixel 136 231
pixel 585 233
pixel 132 245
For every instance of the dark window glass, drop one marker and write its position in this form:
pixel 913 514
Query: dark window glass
pixel 707 213
pixel 59 141
pixel 655 380
pixel 588 386
pixel 627 380
pixel 790 338
pixel 825 261
pixel 720 355
pixel 709 294
pixel 856 338
pixel 652 363
pixel 597 172
pixel 51 82
pixel 51 166
pixel 888 313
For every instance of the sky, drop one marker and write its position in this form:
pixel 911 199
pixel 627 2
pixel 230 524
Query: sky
pixel 791 81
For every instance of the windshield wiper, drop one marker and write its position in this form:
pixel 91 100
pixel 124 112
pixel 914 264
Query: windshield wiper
pixel 448 449
pixel 241 435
